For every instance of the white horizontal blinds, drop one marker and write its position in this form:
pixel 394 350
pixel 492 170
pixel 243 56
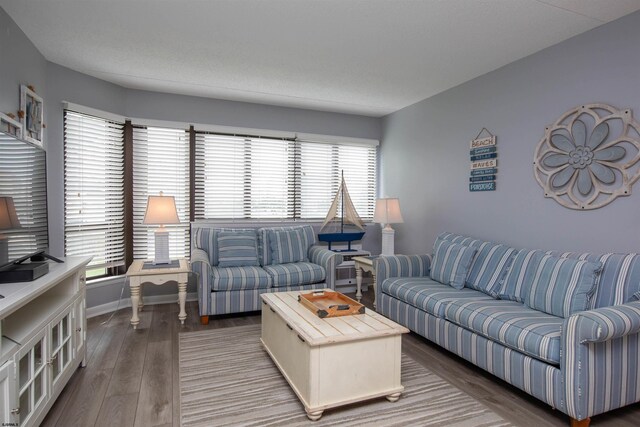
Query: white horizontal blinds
pixel 359 165
pixel 23 178
pixel 321 166
pixel 243 177
pixel 272 178
pixel 160 163
pixel 319 179
pixel 94 188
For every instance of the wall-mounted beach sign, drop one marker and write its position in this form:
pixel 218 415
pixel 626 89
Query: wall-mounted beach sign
pixel 484 162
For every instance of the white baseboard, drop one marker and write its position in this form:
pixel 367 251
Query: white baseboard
pixel 126 302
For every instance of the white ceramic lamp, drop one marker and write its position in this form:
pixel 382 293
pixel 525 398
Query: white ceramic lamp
pixel 161 210
pixel 387 212
pixel 8 221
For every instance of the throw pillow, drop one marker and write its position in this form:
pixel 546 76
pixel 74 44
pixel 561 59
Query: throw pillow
pixel 518 277
pixel 488 267
pixel 563 286
pixel 237 249
pixel 288 246
pixel 451 263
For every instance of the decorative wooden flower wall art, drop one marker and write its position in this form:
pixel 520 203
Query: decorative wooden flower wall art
pixel 589 156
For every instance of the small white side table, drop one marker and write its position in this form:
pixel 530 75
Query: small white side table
pixel 365 264
pixel 138 274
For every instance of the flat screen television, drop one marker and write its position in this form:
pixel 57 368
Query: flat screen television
pixel 23 199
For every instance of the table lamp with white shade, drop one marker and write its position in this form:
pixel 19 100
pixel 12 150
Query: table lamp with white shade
pixel 161 210
pixel 387 212
pixel 8 221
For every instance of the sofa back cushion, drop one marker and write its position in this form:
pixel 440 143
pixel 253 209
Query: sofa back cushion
pixel 489 264
pixel 264 241
pixel 206 238
pixel 451 263
pixel 563 286
pixel 518 277
pixel 488 267
pixel 619 279
pixel 237 248
pixel 288 246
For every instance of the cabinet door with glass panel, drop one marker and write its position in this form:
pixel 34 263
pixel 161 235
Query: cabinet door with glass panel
pixel 8 402
pixel 61 346
pixel 32 377
pixel 80 329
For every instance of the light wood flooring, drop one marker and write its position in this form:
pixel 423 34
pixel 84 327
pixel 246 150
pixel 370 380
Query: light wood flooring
pixel 131 378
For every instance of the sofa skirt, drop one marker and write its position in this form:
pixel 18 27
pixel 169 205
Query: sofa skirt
pixel 227 302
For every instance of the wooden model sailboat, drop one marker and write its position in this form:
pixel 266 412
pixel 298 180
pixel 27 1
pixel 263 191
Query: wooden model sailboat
pixel 344 228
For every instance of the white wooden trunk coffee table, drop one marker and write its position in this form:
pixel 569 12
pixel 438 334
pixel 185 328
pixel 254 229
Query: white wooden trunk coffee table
pixel 333 361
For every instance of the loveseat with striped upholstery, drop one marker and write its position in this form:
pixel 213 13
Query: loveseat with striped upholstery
pixel 234 266
pixel 563 327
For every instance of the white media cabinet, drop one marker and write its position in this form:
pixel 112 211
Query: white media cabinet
pixel 43 327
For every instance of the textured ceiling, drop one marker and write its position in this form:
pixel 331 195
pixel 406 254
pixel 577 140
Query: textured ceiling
pixel 368 57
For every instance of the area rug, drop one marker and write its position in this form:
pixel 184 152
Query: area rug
pixel 228 379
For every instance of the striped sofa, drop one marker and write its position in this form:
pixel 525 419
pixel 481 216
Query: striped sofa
pixel 234 266
pixel 578 350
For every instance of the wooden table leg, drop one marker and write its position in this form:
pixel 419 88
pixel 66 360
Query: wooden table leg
pixel 135 298
pixel 182 297
pixel 358 283
pixel 373 283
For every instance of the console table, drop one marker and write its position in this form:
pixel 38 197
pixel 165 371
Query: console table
pixel 43 328
pixel 141 272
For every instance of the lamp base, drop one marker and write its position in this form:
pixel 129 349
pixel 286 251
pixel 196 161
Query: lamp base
pixel 162 246
pixel 388 235
pixel 4 249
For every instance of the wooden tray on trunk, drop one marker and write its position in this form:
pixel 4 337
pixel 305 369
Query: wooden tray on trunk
pixel 330 304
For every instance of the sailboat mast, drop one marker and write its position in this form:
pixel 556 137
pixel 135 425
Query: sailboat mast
pixel 342 204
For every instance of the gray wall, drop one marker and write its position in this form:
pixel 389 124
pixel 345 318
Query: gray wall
pixel 20 63
pixel 425 149
pixel 190 109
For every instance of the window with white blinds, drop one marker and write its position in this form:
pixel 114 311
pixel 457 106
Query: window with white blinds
pixel 23 178
pixel 321 168
pixel 94 188
pixel 243 177
pixel 261 178
pixel 160 163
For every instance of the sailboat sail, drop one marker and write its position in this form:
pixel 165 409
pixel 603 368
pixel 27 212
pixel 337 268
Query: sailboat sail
pixel 348 216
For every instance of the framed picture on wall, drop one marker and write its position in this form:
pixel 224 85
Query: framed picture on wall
pixel 10 125
pixel 32 116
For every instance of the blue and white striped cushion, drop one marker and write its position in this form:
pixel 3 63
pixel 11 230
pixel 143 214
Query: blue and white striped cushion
pixel 451 263
pixel 295 274
pixel 206 238
pixel 239 278
pixel 532 332
pixel 620 274
pixel 519 276
pixel 288 246
pixel 563 286
pixel 488 267
pixel 428 295
pixel 264 246
pixel 237 248
pixel 463 240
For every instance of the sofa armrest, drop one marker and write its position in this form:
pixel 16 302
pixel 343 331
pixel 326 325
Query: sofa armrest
pixel 329 260
pixel 606 323
pixel 599 350
pixel 200 265
pixel 401 266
